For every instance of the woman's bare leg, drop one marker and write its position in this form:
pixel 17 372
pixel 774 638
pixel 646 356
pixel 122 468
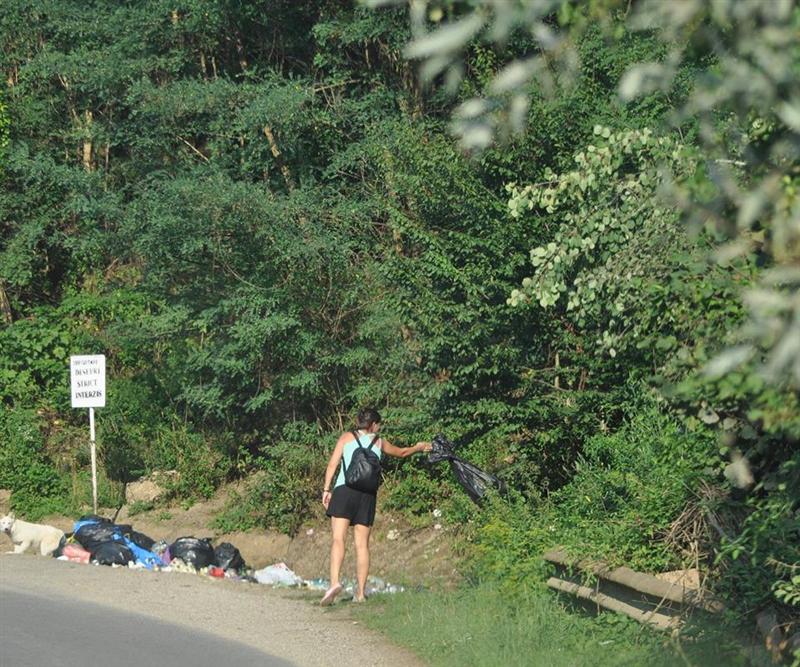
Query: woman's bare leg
pixel 338 535
pixel 361 535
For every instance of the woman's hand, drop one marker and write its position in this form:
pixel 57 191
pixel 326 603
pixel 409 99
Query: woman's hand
pixel 424 446
pixel 326 499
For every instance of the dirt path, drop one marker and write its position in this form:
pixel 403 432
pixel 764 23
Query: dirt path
pixel 288 624
pixel 401 554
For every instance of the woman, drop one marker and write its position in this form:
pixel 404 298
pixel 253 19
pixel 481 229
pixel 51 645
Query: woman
pixel 349 507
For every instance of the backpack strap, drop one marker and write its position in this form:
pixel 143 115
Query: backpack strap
pixel 358 440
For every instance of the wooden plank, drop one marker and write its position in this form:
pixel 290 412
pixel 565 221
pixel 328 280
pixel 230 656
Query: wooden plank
pixel 638 581
pixel 652 618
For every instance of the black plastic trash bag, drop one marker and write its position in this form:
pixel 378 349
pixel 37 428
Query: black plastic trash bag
pixel 91 535
pixel 141 540
pixel 112 553
pixel 193 551
pixel 474 480
pixel 441 450
pixel 228 557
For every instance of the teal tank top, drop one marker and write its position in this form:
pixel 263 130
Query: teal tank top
pixel 350 447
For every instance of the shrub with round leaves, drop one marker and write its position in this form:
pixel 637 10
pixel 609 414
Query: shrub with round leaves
pixel 614 231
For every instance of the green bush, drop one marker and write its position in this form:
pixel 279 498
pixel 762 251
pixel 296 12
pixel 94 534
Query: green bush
pixel 201 467
pixel 37 487
pixel 110 493
pixel 284 493
pixel 626 490
pixel 414 494
pixel 759 563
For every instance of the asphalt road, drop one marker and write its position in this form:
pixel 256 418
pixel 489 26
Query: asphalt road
pixel 52 612
pixel 61 632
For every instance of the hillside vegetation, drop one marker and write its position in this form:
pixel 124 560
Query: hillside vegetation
pixel 259 214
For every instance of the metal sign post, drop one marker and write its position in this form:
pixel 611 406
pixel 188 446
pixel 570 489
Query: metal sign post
pixel 88 381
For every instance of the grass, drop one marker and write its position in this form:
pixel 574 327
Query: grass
pixel 481 626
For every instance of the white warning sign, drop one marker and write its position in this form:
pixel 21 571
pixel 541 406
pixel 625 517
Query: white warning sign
pixel 88 379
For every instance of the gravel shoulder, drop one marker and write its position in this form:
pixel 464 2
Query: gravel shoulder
pixel 285 623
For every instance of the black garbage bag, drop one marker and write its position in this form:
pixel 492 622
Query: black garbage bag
pixel 193 551
pixel 91 535
pixel 228 557
pixel 441 450
pixel 474 480
pixel 141 540
pixel 112 553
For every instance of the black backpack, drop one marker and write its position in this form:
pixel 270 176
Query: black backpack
pixel 364 471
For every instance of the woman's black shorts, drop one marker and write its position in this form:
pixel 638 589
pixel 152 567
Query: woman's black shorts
pixel 347 503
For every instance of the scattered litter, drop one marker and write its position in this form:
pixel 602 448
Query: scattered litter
pixel 161 549
pixel 375 585
pixel 437 526
pixel 278 574
pixel 393 534
pixel 437 513
pixel 177 565
pixel 317 584
pixel 310 532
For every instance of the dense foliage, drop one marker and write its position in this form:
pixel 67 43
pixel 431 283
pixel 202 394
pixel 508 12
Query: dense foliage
pixel 257 213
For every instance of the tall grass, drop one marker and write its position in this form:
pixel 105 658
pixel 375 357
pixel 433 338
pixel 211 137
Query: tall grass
pixel 481 626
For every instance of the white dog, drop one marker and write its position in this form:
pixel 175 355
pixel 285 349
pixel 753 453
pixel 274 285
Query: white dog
pixel 24 535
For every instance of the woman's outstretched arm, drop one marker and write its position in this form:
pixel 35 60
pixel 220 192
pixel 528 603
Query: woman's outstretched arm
pixel 401 452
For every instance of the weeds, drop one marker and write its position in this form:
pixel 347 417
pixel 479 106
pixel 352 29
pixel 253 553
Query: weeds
pixel 482 626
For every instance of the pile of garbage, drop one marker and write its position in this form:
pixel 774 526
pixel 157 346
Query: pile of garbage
pixel 97 540
pixel 101 541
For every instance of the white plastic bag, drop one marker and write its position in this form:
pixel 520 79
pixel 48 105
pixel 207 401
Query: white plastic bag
pixel 278 574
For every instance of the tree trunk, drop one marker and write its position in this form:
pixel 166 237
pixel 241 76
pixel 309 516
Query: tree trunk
pixel 88 163
pixel 557 381
pixel 276 153
pixel 397 238
pixel 240 52
pixel 5 307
